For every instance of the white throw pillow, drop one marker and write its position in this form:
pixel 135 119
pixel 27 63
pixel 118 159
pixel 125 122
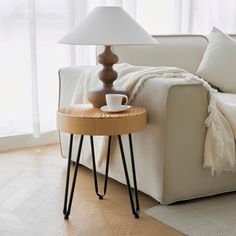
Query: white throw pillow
pixel 218 65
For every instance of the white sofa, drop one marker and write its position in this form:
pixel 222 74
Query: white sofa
pixel 169 153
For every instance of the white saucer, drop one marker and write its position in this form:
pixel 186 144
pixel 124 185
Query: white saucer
pixel 119 109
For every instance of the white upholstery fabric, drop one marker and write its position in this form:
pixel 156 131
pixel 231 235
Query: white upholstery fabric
pixel 181 51
pixel 218 63
pixel 169 153
pixel 227 104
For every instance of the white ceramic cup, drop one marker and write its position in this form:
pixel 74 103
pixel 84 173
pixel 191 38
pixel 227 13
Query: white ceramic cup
pixel 114 101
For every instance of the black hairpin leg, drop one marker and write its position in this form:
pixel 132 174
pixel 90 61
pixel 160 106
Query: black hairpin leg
pixel 135 209
pixel 66 210
pixel 68 173
pixel 94 168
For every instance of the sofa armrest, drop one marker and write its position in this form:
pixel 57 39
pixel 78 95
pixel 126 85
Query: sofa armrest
pixel 173 141
pixel 68 78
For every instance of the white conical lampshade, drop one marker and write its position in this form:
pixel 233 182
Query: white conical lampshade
pixel 108 26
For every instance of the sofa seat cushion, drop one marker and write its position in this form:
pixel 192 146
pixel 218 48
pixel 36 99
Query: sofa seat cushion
pixel 227 104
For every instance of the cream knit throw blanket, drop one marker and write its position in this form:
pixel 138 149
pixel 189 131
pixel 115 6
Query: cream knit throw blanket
pixel 219 154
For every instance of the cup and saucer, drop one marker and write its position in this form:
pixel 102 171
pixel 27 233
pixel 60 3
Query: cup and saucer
pixel 114 103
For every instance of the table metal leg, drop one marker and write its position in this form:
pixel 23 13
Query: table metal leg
pixel 134 206
pixel 95 171
pixel 135 209
pixel 67 210
pixel 68 173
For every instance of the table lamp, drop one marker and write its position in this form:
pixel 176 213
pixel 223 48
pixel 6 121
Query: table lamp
pixel 107 26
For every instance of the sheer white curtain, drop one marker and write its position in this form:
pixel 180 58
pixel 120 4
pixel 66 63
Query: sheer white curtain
pixel 30 58
pixel 186 16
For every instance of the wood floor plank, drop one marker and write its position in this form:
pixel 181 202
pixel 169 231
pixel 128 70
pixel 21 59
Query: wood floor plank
pixel 31 199
pixel 12 225
pixel 19 190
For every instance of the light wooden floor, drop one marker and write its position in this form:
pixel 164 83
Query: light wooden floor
pixel 31 198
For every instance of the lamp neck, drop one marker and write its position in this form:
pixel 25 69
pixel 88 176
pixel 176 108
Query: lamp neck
pixel 107 75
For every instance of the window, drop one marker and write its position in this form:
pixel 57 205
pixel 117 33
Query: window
pixel 16 94
pixel 186 16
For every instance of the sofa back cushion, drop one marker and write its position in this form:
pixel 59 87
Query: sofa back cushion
pixel 183 51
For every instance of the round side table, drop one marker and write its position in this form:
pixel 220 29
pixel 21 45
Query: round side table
pixel 86 120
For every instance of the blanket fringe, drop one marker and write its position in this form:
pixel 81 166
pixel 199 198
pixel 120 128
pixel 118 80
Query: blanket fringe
pixel 213 120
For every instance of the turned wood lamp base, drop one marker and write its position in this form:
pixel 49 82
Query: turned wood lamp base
pixel 107 75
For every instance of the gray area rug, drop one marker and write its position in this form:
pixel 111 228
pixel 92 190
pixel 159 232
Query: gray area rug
pixel 210 216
